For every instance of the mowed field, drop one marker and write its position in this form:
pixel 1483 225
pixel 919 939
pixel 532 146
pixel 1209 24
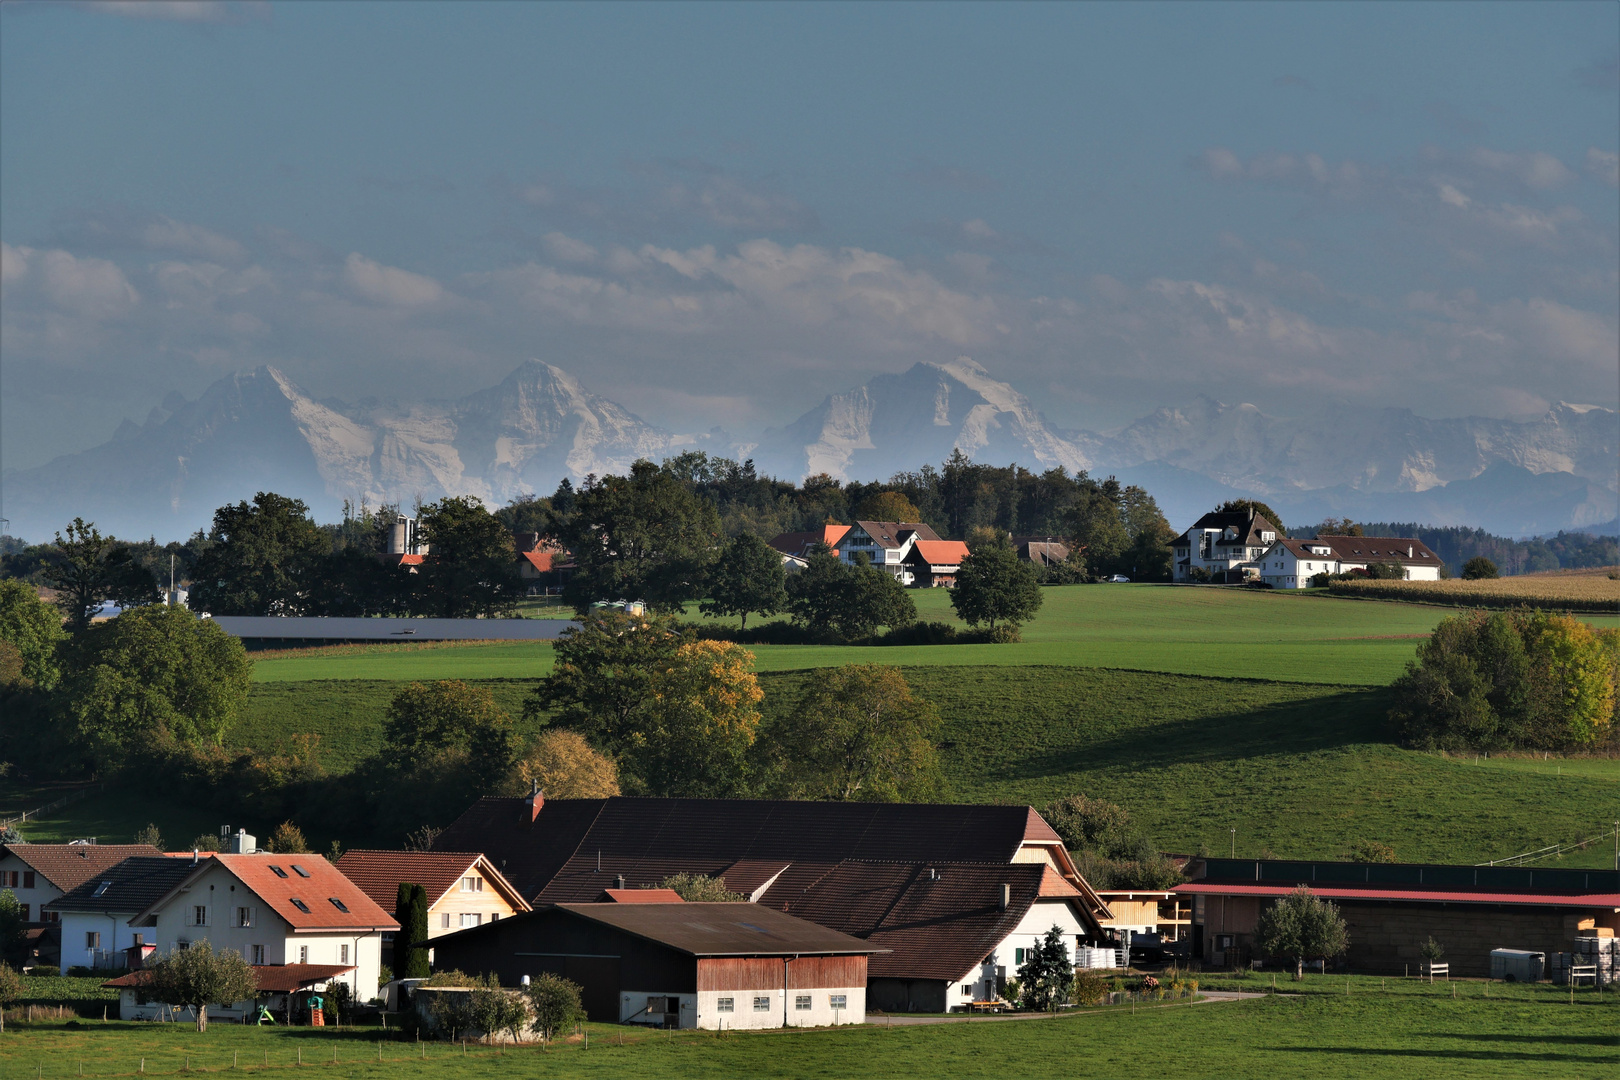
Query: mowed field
pixel 1378 1029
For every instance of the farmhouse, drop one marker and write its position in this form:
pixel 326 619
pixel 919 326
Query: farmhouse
pixel 463 888
pixel 1043 551
pixel 798 545
pixel 275 910
pixel 925 881
pixel 886 544
pixel 1220 543
pixel 1290 564
pixel 95 916
pixel 1391 909
pixel 40 873
pixel 934 563
pixel 679 965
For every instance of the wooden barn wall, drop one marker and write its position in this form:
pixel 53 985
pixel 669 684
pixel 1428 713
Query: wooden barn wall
pixel 817 972
pixel 740 973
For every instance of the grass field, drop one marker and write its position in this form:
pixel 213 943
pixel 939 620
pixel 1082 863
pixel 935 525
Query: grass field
pixel 1414 1030
pixel 1191 631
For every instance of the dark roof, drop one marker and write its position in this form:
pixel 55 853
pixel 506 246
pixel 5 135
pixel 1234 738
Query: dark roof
pixel 893 534
pixel 67 866
pixel 379 874
pixel 270 978
pixel 937 920
pixel 1372 549
pixel 1248 523
pixel 132 885
pixel 1374 878
pixel 574 847
pixel 1044 550
pixel 799 543
pixel 720 929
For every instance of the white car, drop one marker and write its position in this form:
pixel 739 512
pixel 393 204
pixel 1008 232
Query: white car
pixel 1119 578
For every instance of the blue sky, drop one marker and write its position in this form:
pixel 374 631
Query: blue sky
pixel 717 214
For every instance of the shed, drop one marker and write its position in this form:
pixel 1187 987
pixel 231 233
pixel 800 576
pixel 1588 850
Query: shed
pixel 679 965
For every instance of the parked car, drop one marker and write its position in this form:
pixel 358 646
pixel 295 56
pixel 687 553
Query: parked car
pixel 1118 577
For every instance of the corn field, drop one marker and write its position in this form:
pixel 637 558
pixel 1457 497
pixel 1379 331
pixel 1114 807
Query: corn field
pixel 1594 593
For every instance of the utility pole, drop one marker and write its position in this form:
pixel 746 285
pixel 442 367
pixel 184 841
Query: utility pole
pixel 1234 843
pixel 1617 845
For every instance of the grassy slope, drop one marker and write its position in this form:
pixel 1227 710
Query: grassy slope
pixel 1518 1032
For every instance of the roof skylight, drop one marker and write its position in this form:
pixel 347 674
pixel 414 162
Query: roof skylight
pixel 300 905
pixel 340 905
pixel 299 870
pixel 278 871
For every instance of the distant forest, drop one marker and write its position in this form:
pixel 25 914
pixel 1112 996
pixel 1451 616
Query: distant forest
pixel 955 498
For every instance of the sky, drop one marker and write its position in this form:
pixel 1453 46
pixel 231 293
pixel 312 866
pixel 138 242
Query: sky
pixel 719 214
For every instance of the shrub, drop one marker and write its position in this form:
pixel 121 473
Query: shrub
pixel 1090 987
pixel 1301 926
pixel 199 977
pixel 1371 851
pixel 1479 568
pixel 555 1003
pixel 699 889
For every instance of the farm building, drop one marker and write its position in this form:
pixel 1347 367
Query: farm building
pixel 275 910
pixel 95 916
pixel 463 888
pixel 934 563
pixel 922 880
pixel 678 965
pixel 1290 564
pixel 279 990
pixel 1391 909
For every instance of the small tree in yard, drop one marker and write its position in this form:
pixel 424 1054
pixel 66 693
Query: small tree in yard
pixel 1047 974
pixel 554 1001
pixel 747 579
pixel 199 977
pixel 493 1010
pixel 700 889
pixel 1301 926
pixel 411 909
pixel 11 988
pixel 1431 951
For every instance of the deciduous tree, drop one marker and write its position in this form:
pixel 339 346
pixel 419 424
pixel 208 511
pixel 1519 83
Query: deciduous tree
pixel 748 579
pixel 555 1005
pixel 35 629
pixel 471 566
pixel 887 506
pixel 199 977
pixel 694 735
pixel 565 766
pixel 262 561
pixel 1301 926
pixel 1478 568
pixel 859 733
pixel 700 889
pixel 994 586
pixel 88 569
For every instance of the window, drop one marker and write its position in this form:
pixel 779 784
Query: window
pixel 343 954
pixel 838 1001
pixel 92 939
pixel 299 870
pixel 1018 956
pixel 725 1004
pixel 182 945
pixel 967 989
pixel 444 921
pixel 257 952
pixel 470 918
pixel 762 1003
pixel 303 954
pixel 137 940
pixel 49 916
pixel 101 890
pixel 199 915
pixel 244 916
pixel 339 904
pixel 300 905
pixel 8 879
pixel 494 916
pixel 278 871
pixel 28 879
pixel 801 1002
pixel 472 884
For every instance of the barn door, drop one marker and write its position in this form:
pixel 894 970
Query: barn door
pixel 599 976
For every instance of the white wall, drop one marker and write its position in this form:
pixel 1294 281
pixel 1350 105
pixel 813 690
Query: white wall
pixel 979 984
pixel 784 1008
pixel 116 935
pixel 37 897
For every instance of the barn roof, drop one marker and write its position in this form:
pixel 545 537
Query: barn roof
pixel 733 929
pixel 1412 882
pixel 67 866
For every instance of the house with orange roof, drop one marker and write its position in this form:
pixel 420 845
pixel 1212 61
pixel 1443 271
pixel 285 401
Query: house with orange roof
pixel 276 910
pixel 463 888
pixel 933 563
pixel 797 546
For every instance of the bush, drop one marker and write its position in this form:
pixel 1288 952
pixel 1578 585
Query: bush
pixel 922 633
pixel 555 1003
pixel 1479 568
pixel 1090 987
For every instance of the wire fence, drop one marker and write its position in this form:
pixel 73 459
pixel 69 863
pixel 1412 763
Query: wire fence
pixel 70 797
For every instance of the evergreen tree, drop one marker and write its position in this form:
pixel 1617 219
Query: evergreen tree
pixel 1047 974
pixel 411 912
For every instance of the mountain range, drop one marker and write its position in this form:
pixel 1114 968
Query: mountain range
pixel 259 431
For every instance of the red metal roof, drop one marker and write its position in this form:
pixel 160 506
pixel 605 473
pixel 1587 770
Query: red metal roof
pixel 644 896
pixel 1431 896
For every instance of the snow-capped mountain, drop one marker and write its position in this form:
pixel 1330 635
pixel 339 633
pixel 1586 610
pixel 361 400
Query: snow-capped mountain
pixel 903 421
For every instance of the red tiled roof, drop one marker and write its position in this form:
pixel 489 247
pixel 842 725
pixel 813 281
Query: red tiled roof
pixel 67 866
pixel 942 552
pixel 1054 884
pixel 1037 831
pixel 270 978
pixel 309 879
pixel 379 874
pixel 643 896
pixel 798 543
pixel 540 560
pixel 1434 896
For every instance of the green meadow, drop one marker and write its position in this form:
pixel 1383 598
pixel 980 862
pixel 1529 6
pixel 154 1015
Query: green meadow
pixel 1313 1029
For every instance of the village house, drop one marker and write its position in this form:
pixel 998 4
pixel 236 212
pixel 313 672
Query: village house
pixel 274 910
pixel 40 873
pixel 1221 544
pixel 1044 552
pixel 678 965
pixel 934 563
pixel 95 916
pixel 885 544
pixel 1391 909
pixel 463 888
pixel 1290 564
pixel 883 872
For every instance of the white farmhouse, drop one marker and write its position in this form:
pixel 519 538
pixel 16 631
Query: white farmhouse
pixel 1290 564
pixel 37 874
pixel 886 544
pixel 276 910
pixel 95 916
pixel 1220 543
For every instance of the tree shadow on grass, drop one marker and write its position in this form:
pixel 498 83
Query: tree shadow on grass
pixel 1317 725
pixel 1453 1055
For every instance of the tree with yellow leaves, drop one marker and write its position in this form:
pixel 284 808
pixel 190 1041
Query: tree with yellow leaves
pixel 693 737
pixel 566 767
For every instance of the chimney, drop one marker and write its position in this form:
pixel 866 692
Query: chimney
pixel 1409 550
pixel 1006 895
pixel 618 881
pixel 537 800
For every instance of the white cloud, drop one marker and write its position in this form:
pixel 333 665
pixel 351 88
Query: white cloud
pixel 13 262
pixel 1535 170
pixel 389 285
pixel 92 288
pixel 117 228
pixel 1604 166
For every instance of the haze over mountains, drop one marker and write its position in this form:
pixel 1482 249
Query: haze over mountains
pixel 260 431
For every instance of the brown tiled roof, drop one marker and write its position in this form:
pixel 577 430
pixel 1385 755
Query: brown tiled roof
pixel 67 866
pixel 1371 549
pixel 573 849
pixel 379 874
pixel 642 896
pixel 270 978
pixel 938 920
pixel 1249 525
pixel 893 534
pixel 310 880
pixel 720 929
pixel 131 886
